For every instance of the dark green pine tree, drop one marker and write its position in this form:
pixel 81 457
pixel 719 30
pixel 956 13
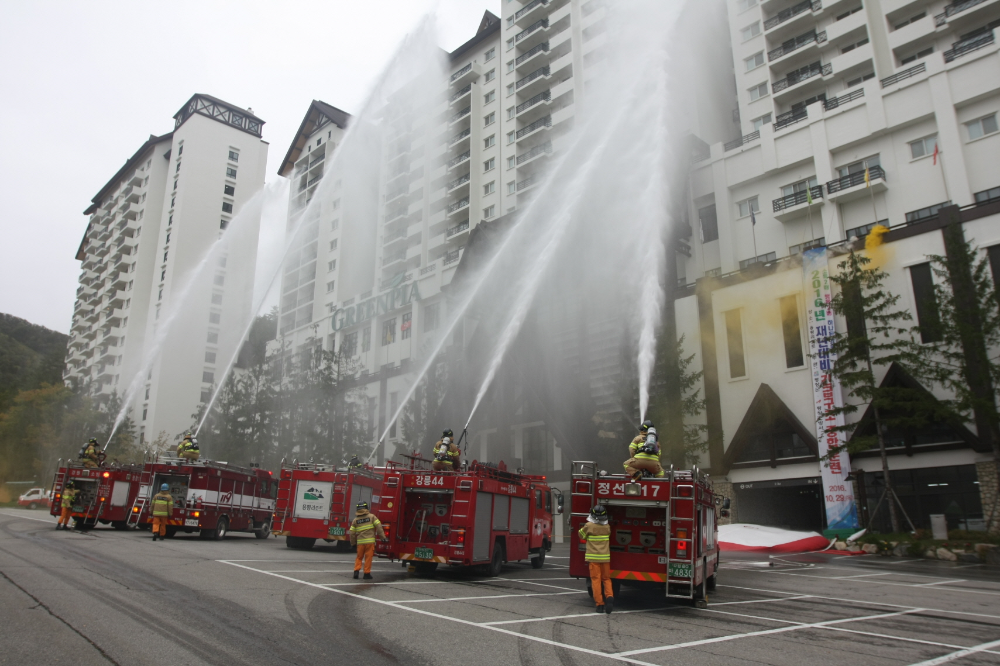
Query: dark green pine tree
pixel 678 407
pixel 878 334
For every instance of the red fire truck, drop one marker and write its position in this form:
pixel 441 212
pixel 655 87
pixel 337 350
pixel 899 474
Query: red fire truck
pixel 483 516
pixel 663 530
pixel 317 501
pixel 210 497
pixel 104 494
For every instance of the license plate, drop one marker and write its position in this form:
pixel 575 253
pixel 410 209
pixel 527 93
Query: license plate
pixel 336 531
pixel 680 570
pixel 423 553
pixel 191 522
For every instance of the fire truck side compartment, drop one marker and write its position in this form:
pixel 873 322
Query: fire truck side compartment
pixel 119 493
pixel 519 508
pixel 481 543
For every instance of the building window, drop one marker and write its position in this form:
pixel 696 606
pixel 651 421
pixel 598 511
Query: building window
pixel 489 164
pixel 331 266
pixel 234 156
pixel 488 212
pixel 490 75
pixel 916 56
pixel 987 196
pixel 510 89
pixel 227 207
pixel 223 224
pixel 216 299
pixel 511 187
pixel 800 186
pixel 791 329
pixel 431 315
pixel 748 205
pixel 743 5
pixel 709 224
pixel 229 190
pixel 925 300
pixel 855 45
pixel 511 112
pixel 511 162
pixel 163 274
pixel 213 338
pixel 366 338
pixel 861 79
pixel 982 126
pixel 165 256
pixel 754 61
pixel 510 43
pixel 761 121
pixel 490 119
pixel 207 376
pixel 925 213
pixel 388 331
pixel 510 138
pixel 330 285
pixel 490 187
pixel 510 66
pixel 230 172
pixel 147 393
pixel 859 166
pixel 404 328
pixel 734 341
pixel 333 244
pixel 210 357
pixel 214 317
pixel 489 55
pixel 489 97
pixel 334 225
pixel 758 92
pixel 912 19
pixel 349 346
pixel 145 411
pixel 750 31
pixel 175 184
pixel 178 169
pixel 490 141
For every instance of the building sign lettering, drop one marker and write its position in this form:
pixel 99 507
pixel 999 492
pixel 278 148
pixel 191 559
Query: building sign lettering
pixel 377 305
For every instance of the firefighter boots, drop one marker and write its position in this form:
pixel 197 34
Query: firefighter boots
pixel 356 574
pixel 599 609
pixel 368 576
pixel 609 605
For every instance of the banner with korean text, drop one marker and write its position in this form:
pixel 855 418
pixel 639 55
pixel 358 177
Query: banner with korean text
pixel 838 492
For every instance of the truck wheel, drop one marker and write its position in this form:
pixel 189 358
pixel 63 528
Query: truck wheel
pixel 496 564
pixel 343 546
pixel 120 525
pixel 299 543
pixel 206 534
pixel 33 506
pixel 171 531
pixel 263 531
pixel 701 592
pixel 711 582
pixel 221 528
pixel 616 587
pixel 537 562
pixel 425 568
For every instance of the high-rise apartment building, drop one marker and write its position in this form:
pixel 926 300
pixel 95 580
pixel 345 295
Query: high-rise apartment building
pixel 150 228
pixel 852 113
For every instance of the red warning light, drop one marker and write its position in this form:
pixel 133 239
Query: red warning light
pixel 106 474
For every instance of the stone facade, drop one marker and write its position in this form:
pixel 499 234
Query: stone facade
pixel 986 470
pixel 724 488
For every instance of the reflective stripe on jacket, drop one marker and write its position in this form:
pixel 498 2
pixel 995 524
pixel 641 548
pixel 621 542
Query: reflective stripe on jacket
pixel 68 497
pixel 365 528
pixel 598 540
pixel 163 504
pixel 637 444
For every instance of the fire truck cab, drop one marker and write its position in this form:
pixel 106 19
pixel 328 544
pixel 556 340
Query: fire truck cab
pixel 210 497
pixel 483 516
pixel 317 501
pixel 664 531
pixel 104 494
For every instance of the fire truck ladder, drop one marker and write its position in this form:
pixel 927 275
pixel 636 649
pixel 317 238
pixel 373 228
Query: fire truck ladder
pixel 145 479
pixel 676 500
pixel 57 480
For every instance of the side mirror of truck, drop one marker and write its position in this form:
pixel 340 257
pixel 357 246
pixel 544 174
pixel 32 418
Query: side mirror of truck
pixel 726 503
pixel 559 500
pixel 724 513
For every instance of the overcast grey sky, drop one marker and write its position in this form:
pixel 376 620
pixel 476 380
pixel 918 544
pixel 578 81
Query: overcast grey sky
pixel 85 83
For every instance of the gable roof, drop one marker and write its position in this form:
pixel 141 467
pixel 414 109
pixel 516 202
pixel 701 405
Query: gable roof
pixel 318 114
pixel 487 28
pixel 129 164
pixel 765 410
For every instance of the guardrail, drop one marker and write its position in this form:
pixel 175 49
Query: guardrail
pixel 815 37
pixel 854 179
pixel 540 97
pixel 905 74
pixel 544 46
pixel 459 73
pixel 843 99
pixel 537 25
pixel 790 118
pixel 792 12
pixel 742 141
pixel 795 79
pixel 797 198
pixel 968 46
pixel 528 129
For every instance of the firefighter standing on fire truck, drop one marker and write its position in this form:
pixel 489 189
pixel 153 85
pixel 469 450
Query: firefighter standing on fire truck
pixel 66 504
pixel 188 448
pixel 446 453
pixel 364 528
pixel 91 454
pixel 163 506
pixel 645 452
pixel 596 533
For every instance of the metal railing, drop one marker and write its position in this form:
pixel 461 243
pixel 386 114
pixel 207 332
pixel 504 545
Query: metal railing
pixel 460 114
pixel 854 179
pixel 797 198
pixel 743 140
pixel 795 79
pixel 458 160
pixel 458 228
pixel 396 213
pixel 968 46
pixel 391 259
pixel 843 99
pixel 458 137
pixel 528 7
pixel 451 257
pixel 537 25
pixel 540 97
pixel 467 89
pixel 394 236
pixel 459 73
pixel 905 74
pixel 461 180
pixel 541 71
pixel 544 148
pixel 528 182
pixel 398 192
pixel 790 118
pixel 428 269
pixel 792 12
pixel 544 46
pixel 541 122
pixel 760 259
pixel 957 7
pixel 781 51
pixel 458 205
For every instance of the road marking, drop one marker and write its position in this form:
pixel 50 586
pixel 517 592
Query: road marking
pixel 886 582
pixel 942 582
pixel 491 596
pixel 900 638
pixel 14 515
pixel 983 647
pixel 764 632
pixel 563 617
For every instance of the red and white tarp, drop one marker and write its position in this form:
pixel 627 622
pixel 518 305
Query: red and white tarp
pixel 761 539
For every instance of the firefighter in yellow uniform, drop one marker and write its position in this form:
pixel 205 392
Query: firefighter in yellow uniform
pixel 66 504
pixel 188 448
pixel 163 506
pixel 645 452
pixel 91 455
pixel 364 529
pixel 596 533
pixel 446 453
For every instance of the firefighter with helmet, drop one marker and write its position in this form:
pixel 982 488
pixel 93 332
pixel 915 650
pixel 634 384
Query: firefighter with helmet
pixel 69 494
pixel 446 453
pixel 188 448
pixel 364 529
pixel 596 533
pixel 645 452
pixel 163 506
pixel 91 454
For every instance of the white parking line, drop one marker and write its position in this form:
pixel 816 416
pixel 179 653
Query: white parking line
pixel 490 596
pixel 41 520
pixel 984 647
pixel 574 615
pixel 942 582
pixel 900 638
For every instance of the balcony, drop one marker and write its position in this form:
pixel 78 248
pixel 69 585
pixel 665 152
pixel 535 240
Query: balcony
pixel 455 117
pixel 789 118
pixel 460 94
pixel 394 236
pixel 458 182
pixel 742 141
pixel 456 231
pixel 956 8
pixel 537 151
pixel 464 134
pixel 540 98
pixel 531 53
pixel 853 186
pixel 540 75
pixel 457 206
pixel 455 161
pixel 394 258
pixel 467 74
pixel 797 204
pixel 903 75
pixel 533 35
pixel 526 14
pixel 837 102
pixel 533 127
pixel 528 182
pixel 796 79
pixel 451 257
pixel 786 15
pixel 968 46
pixel 796 44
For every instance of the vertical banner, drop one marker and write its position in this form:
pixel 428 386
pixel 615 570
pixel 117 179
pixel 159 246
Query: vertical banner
pixel 838 492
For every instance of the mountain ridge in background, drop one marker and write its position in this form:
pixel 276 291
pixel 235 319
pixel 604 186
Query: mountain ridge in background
pixel 30 355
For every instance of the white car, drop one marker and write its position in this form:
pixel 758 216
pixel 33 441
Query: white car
pixel 34 498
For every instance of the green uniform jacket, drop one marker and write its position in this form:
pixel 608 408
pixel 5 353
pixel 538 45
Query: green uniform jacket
pixel 68 497
pixel 163 504
pixel 453 452
pixel 598 540
pixel 365 528
pixel 636 445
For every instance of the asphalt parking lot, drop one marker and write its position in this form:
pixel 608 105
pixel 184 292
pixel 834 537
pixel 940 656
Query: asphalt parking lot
pixel 114 597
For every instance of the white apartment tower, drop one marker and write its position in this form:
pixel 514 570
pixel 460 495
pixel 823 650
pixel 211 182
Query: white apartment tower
pixel 910 91
pixel 149 229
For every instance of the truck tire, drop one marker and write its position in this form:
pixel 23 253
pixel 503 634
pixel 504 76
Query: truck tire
pixel 120 525
pixel 538 561
pixel 171 531
pixel 221 529
pixel 263 531
pixel 33 506
pixel 299 543
pixel 425 568
pixel 343 546
pixel 616 587
pixel 496 564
